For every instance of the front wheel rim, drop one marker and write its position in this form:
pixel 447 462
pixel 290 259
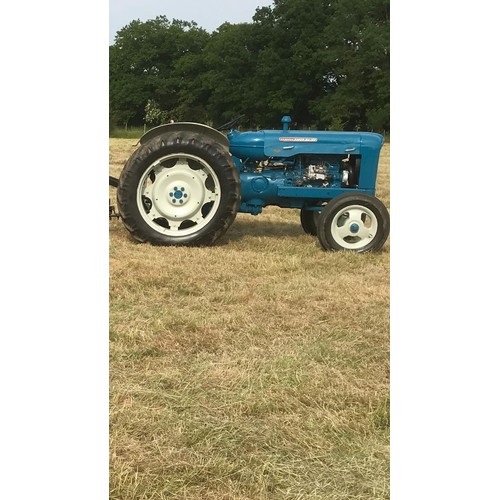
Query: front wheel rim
pixel 354 227
pixel 178 194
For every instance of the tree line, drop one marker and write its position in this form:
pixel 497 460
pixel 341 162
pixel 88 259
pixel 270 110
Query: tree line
pixel 324 62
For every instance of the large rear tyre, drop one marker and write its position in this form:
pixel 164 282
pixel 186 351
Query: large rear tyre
pixel 179 189
pixel 355 222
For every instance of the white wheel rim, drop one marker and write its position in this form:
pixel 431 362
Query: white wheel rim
pixel 178 194
pixel 354 227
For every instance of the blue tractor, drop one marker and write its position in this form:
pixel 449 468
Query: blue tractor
pixel 186 181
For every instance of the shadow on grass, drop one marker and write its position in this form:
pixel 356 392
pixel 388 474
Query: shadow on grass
pixel 262 229
pixel 241 229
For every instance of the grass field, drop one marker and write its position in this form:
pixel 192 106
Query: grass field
pixel 130 133
pixel 254 369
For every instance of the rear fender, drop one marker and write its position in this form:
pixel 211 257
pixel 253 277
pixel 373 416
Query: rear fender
pixel 197 128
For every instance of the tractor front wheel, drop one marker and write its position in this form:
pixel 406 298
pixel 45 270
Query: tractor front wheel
pixel 179 189
pixel 309 221
pixel 355 222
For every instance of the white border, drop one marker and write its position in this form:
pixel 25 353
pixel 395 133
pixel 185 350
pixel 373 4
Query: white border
pixel 54 368
pixel 444 271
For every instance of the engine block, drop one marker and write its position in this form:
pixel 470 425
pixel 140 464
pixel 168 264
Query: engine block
pixel 265 182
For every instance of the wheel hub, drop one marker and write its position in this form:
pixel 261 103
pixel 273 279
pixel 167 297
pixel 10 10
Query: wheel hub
pixel 178 194
pixel 354 228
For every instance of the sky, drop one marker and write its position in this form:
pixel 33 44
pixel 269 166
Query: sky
pixel 208 14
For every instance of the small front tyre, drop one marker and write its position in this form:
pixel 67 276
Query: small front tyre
pixel 309 221
pixel 355 222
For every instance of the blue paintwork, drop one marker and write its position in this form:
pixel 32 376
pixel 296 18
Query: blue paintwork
pixel 273 163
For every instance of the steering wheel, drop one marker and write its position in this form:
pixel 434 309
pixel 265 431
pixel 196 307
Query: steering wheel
pixel 229 125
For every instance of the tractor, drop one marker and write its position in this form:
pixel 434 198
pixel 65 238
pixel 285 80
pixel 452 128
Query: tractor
pixel 186 182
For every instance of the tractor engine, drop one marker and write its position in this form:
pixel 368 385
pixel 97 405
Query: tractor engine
pixel 263 182
pixel 307 171
pixel 290 169
pixel 324 172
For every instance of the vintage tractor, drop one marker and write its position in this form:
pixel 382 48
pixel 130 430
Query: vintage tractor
pixel 186 181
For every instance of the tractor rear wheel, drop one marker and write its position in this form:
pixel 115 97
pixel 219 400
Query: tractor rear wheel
pixel 179 189
pixel 354 222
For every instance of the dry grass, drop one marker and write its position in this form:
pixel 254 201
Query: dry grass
pixel 255 369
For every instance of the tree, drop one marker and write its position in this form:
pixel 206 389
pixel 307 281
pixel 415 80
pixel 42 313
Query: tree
pixel 290 67
pixel 153 115
pixel 357 90
pixel 325 62
pixel 144 62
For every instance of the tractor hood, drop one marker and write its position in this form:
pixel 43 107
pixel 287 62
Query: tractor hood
pixel 260 145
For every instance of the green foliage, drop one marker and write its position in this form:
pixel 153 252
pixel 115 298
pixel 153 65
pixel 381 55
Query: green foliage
pixel 153 115
pixel 144 65
pixel 326 63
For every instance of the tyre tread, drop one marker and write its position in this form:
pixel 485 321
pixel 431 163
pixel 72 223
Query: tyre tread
pixel 155 148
